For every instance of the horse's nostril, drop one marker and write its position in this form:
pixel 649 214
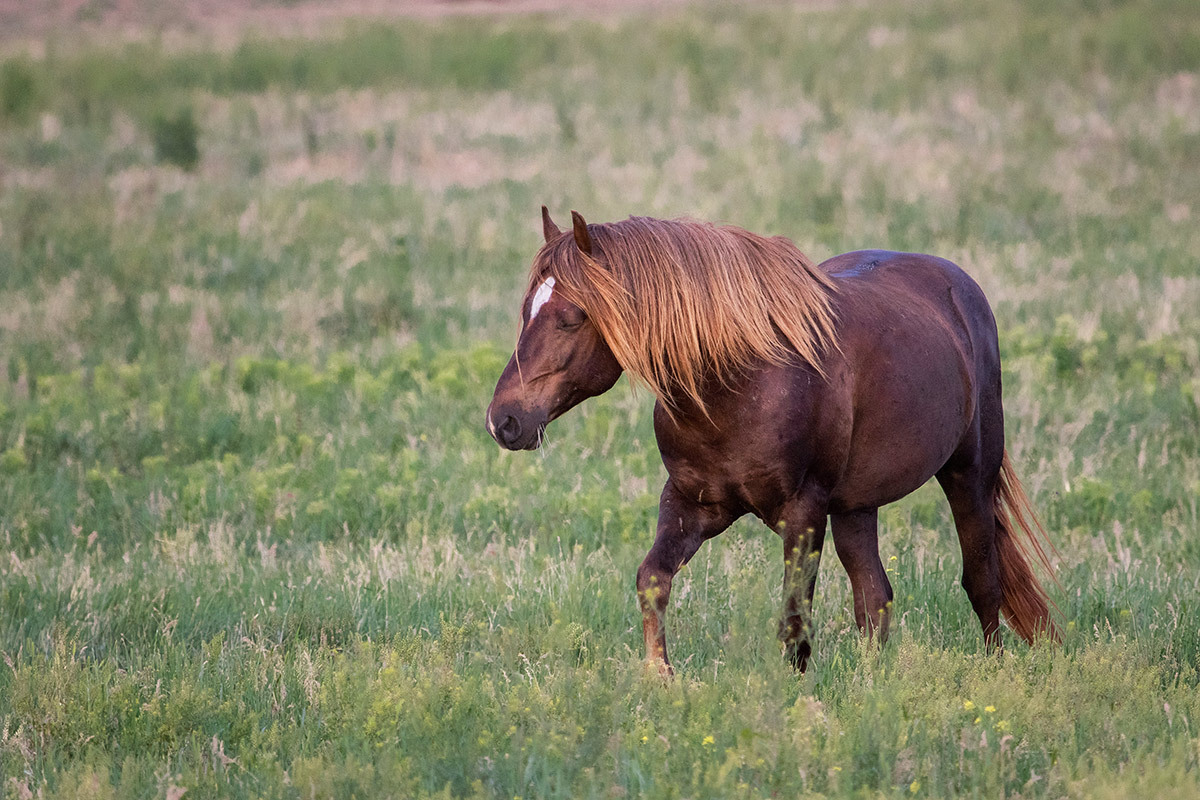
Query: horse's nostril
pixel 509 430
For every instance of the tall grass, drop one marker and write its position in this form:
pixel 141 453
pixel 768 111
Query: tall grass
pixel 257 543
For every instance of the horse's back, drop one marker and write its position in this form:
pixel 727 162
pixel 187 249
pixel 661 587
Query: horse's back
pixel 898 284
pixel 918 341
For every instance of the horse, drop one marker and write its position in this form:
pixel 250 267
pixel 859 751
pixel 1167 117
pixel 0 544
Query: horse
pixel 793 391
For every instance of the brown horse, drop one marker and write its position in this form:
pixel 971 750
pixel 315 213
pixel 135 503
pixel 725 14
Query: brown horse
pixel 788 390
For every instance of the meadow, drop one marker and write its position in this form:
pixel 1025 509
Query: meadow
pixel 255 294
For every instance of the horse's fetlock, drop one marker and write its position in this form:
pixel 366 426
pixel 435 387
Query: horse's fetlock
pixel 792 628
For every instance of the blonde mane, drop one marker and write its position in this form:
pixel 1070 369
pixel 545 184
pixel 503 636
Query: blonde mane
pixel 680 302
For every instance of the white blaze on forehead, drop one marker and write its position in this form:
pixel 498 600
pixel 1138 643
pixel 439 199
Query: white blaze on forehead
pixel 541 297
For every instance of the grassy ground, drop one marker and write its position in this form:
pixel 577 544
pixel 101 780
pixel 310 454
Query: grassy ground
pixel 257 543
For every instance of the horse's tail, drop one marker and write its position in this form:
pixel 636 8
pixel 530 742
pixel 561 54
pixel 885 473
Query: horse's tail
pixel 1019 539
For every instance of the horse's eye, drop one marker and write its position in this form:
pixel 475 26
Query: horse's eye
pixel 570 319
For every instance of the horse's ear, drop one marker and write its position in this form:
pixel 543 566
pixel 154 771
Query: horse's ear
pixel 549 229
pixel 582 240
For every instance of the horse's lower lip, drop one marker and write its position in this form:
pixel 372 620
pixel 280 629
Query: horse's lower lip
pixel 535 441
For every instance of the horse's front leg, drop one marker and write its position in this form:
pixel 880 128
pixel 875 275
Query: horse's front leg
pixel 856 538
pixel 802 528
pixel 683 526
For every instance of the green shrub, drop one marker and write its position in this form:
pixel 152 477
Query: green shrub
pixel 18 90
pixel 176 139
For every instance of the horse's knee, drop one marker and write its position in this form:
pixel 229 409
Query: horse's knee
pixel 652 580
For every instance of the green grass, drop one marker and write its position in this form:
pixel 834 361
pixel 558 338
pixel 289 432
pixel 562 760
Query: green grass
pixel 256 542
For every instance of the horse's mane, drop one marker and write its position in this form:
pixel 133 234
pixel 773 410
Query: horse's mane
pixel 680 302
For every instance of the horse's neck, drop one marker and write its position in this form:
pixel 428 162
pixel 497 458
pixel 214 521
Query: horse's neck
pixel 718 396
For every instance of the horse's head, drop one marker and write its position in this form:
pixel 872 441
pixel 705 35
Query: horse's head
pixel 561 359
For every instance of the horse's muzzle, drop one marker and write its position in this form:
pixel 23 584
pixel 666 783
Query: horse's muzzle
pixel 511 434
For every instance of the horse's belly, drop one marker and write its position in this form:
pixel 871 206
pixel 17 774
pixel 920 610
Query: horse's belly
pixel 865 488
pixel 907 424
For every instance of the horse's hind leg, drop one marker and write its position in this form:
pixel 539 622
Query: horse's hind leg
pixel 969 481
pixel 855 535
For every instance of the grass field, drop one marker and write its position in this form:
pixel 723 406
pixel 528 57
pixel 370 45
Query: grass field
pixel 253 301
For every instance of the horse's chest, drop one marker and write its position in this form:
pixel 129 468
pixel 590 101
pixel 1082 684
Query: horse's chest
pixel 759 446
pixel 754 478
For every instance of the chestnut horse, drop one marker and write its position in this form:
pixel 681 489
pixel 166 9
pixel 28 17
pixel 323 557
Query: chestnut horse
pixel 788 390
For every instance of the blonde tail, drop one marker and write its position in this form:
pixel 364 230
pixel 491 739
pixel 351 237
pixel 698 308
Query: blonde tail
pixel 1019 539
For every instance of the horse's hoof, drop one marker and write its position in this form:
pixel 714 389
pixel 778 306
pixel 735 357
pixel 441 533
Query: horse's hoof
pixel 663 669
pixel 797 654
